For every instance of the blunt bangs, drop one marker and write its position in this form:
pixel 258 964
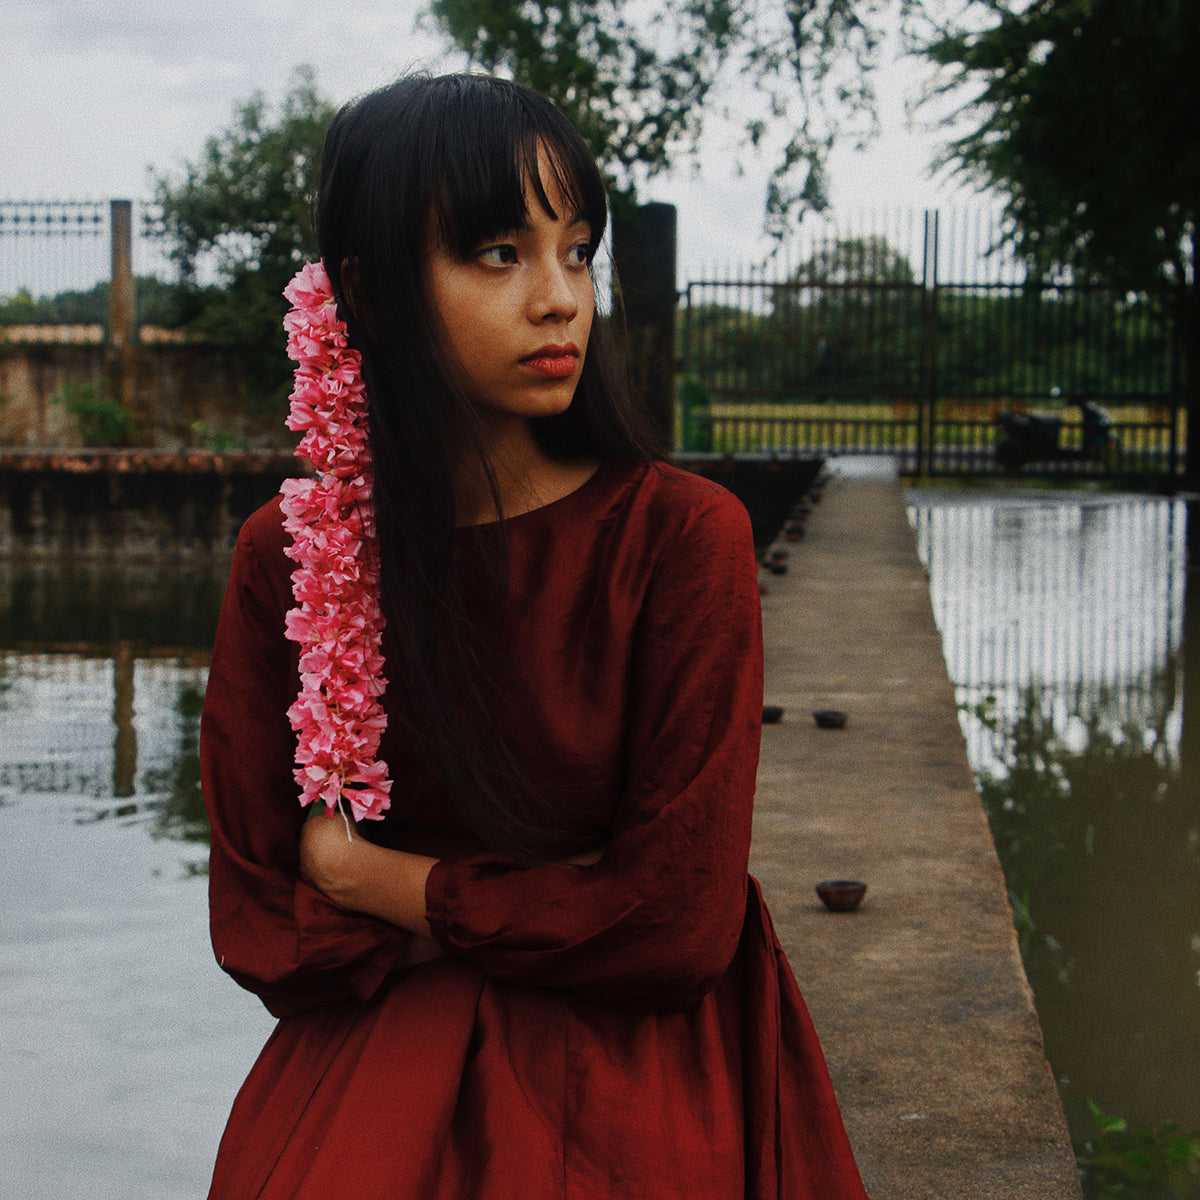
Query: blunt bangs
pixel 453 153
pixel 488 152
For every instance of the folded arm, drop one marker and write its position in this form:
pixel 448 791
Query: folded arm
pixel 654 920
pixel 273 931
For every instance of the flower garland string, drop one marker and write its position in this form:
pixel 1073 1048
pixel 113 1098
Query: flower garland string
pixel 337 715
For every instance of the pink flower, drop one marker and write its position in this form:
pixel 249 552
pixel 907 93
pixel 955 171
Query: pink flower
pixel 337 622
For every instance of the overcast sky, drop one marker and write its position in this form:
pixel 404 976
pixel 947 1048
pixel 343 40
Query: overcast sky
pixel 97 92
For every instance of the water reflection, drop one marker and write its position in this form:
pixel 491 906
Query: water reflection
pixel 1081 598
pixel 102 677
pixel 108 987
pixel 1063 622
pixel 1065 626
pixel 98 603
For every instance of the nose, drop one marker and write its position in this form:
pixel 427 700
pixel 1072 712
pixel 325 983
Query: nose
pixel 552 294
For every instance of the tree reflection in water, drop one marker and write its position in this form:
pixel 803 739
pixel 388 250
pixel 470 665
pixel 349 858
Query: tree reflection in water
pixel 1066 623
pixel 102 673
pixel 179 812
pixel 1100 845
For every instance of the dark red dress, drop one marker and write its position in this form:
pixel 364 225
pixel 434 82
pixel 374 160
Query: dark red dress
pixel 628 1029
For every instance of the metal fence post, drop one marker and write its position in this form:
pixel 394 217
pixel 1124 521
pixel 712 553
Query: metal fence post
pixel 927 354
pixel 931 251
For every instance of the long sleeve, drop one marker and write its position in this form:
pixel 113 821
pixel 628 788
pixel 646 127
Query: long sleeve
pixel 272 932
pixel 656 922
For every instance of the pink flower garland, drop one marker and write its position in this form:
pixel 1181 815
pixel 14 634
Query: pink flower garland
pixel 337 620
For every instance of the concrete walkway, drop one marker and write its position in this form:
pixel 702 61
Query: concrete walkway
pixel 919 997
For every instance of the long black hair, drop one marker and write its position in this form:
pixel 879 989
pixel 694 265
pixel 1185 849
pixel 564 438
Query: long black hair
pixel 451 156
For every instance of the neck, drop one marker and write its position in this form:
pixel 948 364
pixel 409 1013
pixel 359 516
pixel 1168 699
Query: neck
pixel 526 477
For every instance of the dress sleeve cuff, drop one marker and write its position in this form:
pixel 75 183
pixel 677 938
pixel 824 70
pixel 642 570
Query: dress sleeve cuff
pixel 437 884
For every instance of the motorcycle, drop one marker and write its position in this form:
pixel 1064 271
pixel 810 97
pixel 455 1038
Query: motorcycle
pixel 1024 438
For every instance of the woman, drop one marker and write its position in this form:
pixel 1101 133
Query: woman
pixel 545 971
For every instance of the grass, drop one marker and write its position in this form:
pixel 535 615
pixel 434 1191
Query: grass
pixel 891 425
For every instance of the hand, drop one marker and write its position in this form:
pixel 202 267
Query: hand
pixel 364 877
pixel 328 845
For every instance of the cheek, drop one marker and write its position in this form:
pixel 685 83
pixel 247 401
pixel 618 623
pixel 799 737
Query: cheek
pixel 463 321
pixel 587 308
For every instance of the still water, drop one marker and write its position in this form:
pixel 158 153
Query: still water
pixel 122 1045
pixel 1065 621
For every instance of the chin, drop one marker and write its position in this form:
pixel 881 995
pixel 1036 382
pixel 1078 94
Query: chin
pixel 546 405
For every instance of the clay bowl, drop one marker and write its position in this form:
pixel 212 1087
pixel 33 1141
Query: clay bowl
pixel 841 895
pixel 829 718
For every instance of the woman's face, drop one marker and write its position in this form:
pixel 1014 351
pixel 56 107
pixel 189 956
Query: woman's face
pixel 517 313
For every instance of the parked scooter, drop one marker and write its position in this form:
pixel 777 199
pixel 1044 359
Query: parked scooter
pixel 1023 438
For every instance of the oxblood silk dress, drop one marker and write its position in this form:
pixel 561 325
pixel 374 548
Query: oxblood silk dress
pixel 624 1030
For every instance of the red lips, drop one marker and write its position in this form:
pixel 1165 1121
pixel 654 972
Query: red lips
pixel 554 362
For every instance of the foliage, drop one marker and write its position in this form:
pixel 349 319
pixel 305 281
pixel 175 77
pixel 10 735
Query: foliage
pixel 167 305
pixel 243 211
pixel 1121 1160
pixel 102 422
pixel 870 259
pixel 1082 115
pixel 852 320
pixel 695 425
pixel 179 808
pixel 1063 814
pixel 641 82
pixel 210 436
pixel 1041 342
pixel 19 309
pixel 633 101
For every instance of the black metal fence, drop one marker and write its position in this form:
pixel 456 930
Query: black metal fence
pixel 860 344
pixel 912 335
pixel 57 251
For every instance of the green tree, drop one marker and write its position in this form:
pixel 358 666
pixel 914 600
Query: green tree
pixel 244 213
pixel 167 305
pixel 849 321
pixel 870 259
pixel 641 86
pixel 1081 113
pixel 634 102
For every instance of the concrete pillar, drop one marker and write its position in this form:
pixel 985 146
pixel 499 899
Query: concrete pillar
pixel 122 309
pixel 644 254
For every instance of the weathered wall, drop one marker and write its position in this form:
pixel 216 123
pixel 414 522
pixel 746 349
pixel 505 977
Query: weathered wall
pixel 187 393
pixel 132 502
pixel 152 502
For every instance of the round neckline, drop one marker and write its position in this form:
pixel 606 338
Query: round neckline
pixel 567 499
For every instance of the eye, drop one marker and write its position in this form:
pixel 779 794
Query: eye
pixel 501 255
pixel 580 254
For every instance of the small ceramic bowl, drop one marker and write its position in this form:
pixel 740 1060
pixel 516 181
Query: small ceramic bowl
pixel 830 718
pixel 841 895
